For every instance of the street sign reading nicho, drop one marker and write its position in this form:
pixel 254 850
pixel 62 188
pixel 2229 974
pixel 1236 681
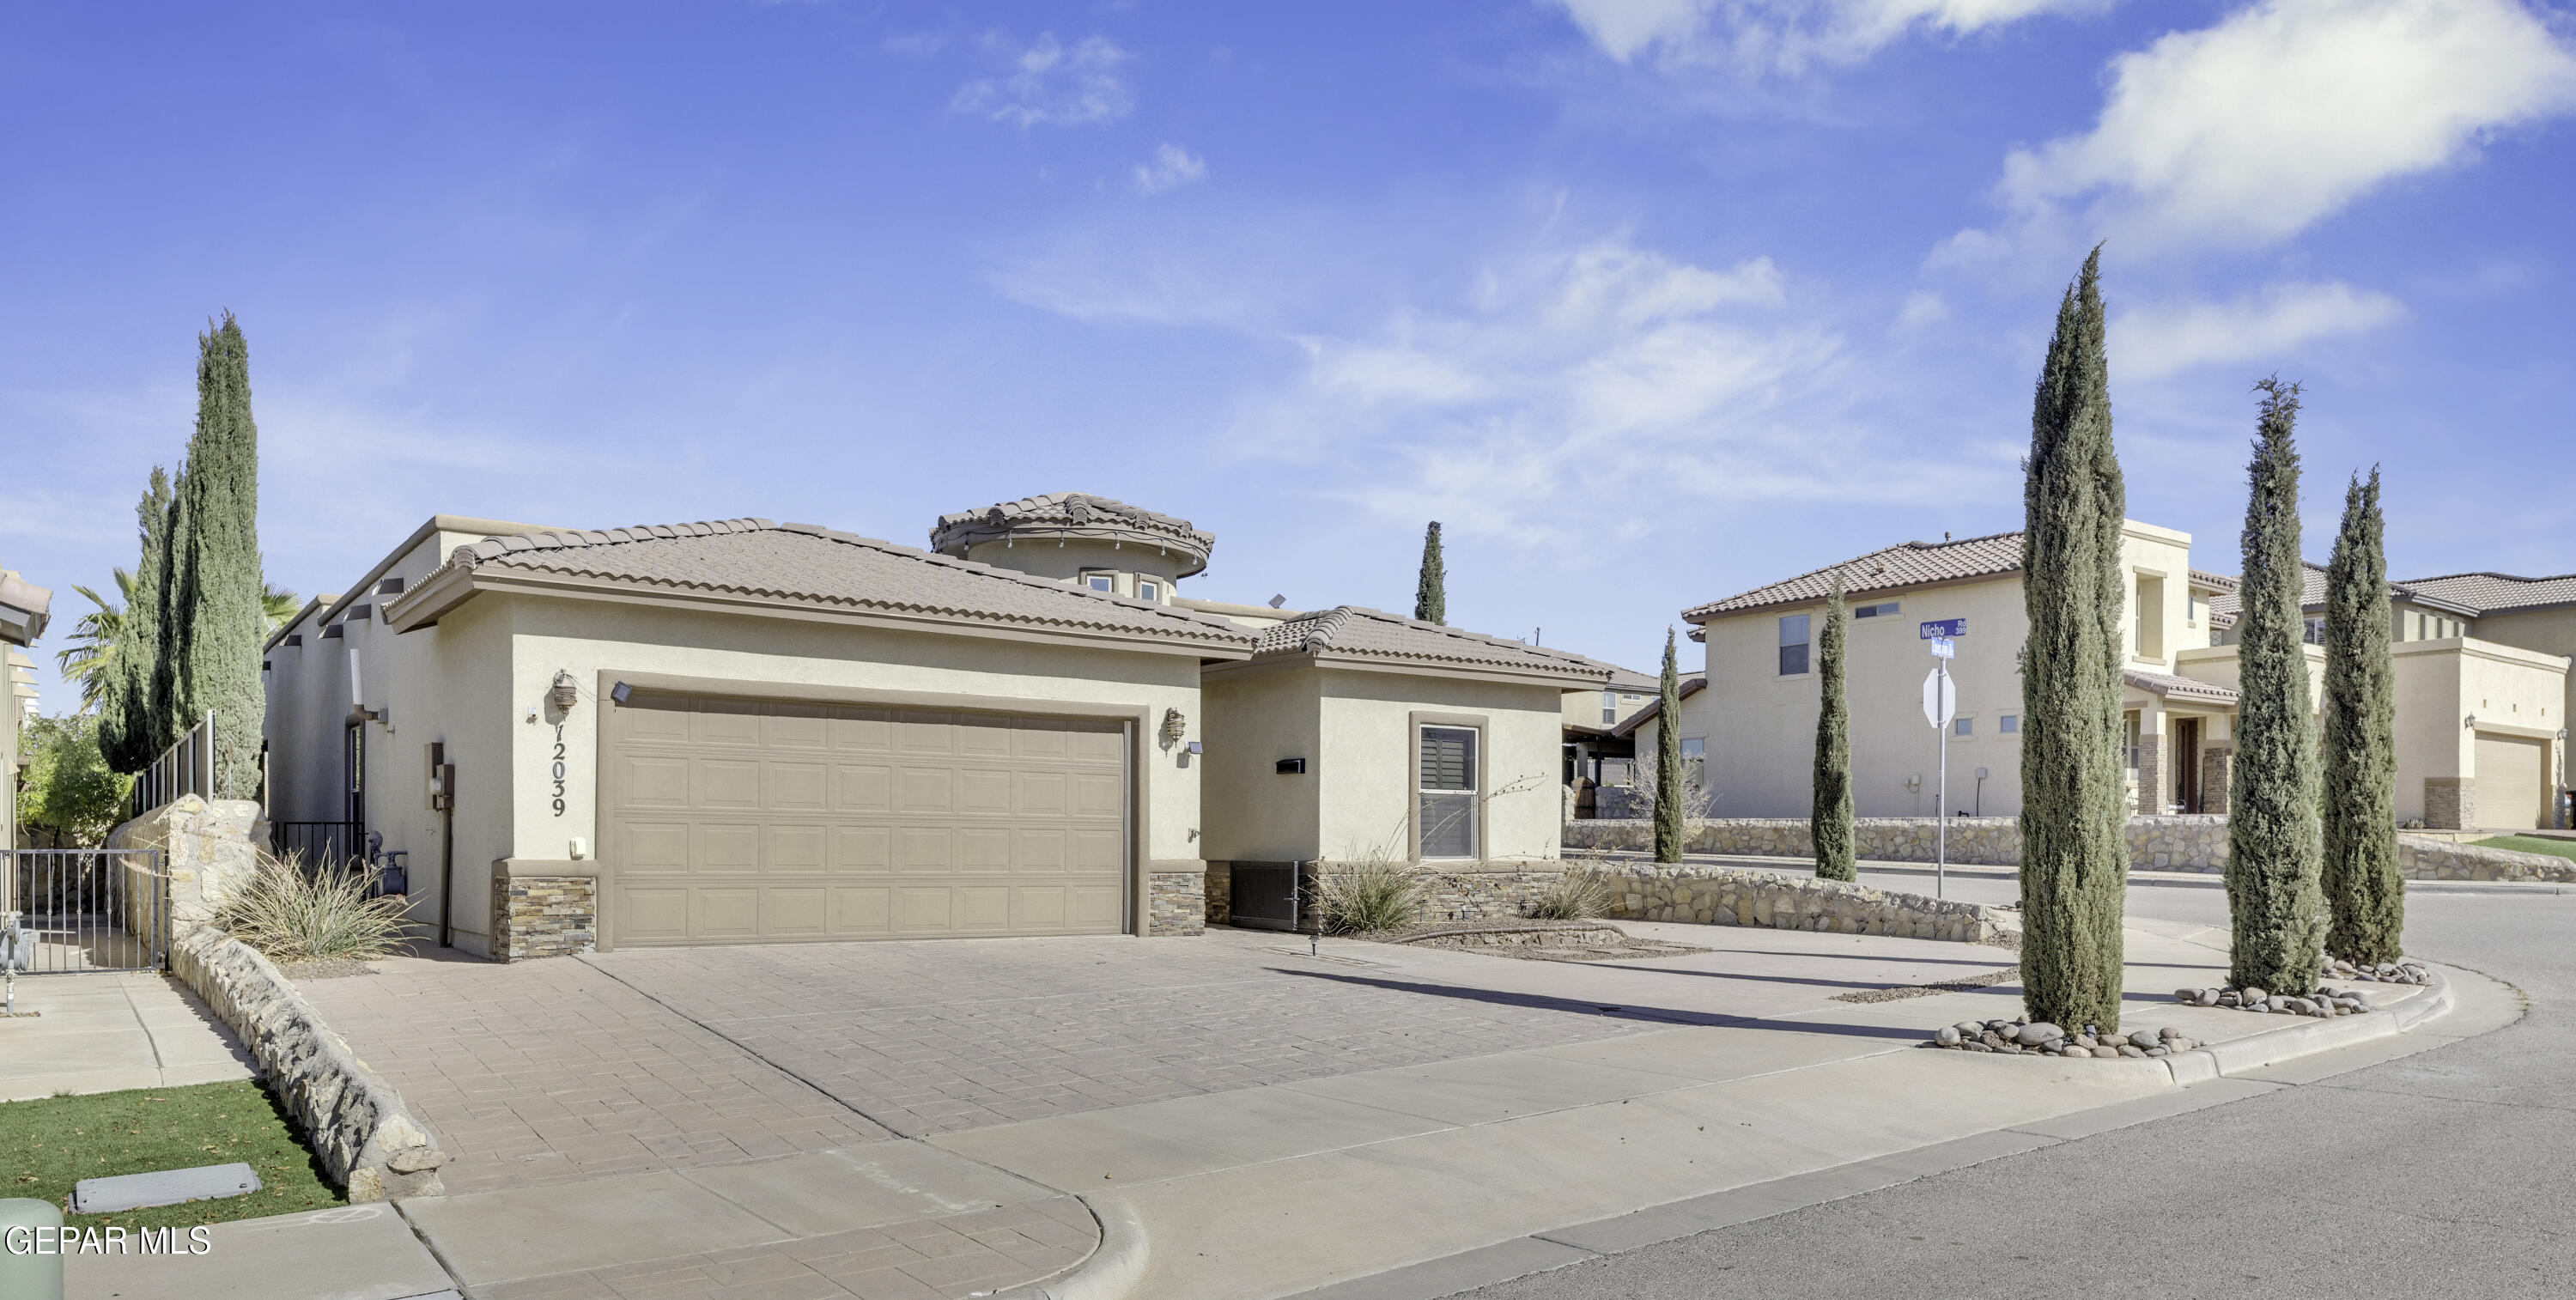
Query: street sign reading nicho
pixel 1951 627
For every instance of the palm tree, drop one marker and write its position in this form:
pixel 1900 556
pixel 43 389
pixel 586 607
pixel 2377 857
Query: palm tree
pixel 85 660
pixel 279 605
pixel 94 637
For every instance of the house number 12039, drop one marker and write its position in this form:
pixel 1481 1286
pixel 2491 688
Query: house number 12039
pixel 559 769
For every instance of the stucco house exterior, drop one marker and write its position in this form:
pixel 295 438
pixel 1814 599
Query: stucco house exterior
pixel 24 607
pixel 746 732
pixel 2460 698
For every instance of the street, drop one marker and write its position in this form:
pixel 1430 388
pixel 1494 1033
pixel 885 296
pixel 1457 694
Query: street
pixel 2439 1174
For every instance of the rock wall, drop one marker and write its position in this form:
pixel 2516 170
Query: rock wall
pixel 206 846
pixel 541 912
pixel 1732 896
pixel 2173 843
pixel 355 1121
pixel 1176 902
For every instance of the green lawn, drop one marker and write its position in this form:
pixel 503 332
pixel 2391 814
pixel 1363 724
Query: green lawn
pixel 46 1146
pixel 2530 844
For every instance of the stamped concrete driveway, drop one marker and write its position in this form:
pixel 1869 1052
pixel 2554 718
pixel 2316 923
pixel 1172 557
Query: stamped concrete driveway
pixel 570 1069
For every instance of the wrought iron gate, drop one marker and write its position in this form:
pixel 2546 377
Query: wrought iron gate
pixel 89 909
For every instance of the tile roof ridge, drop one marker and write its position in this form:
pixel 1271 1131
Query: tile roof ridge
pixel 2486 573
pixel 1191 618
pixel 1954 541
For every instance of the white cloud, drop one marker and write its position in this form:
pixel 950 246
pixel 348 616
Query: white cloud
pixel 2257 329
pixel 1170 167
pixel 1921 311
pixel 1049 83
pixel 2249 131
pixel 1788 34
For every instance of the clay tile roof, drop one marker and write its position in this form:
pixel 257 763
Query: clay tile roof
pixel 1908 564
pixel 2495 593
pixel 2171 687
pixel 802 564
pixel 1373 634
pixel 1075 515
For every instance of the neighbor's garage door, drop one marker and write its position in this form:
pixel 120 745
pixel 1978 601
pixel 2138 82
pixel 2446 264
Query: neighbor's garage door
pixel 2512 772
pixel 750 821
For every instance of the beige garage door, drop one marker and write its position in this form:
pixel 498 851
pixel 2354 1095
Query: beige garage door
pixel 753 821
pixel 2512 773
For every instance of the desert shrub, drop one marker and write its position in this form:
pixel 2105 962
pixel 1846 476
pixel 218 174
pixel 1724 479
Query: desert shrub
pixel 1578 894
pixel 294 916
pixel 1371 895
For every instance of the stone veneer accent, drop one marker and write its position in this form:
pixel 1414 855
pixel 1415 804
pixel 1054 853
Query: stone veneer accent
pixel 2217 769
pixel 1176 902
pixel 2181 843
pixel 2450 802
pixel 2151 770
pixel 539 911
pixel 1219 888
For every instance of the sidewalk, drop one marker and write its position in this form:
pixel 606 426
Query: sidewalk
pixel 106 1031
pixel 1729 1073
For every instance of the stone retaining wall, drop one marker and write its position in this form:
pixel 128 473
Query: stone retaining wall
pixel 207 847
pixel 2171 843
pixel 354 1120
pixel 1731 896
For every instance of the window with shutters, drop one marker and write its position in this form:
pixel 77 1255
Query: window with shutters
pixel 1445 792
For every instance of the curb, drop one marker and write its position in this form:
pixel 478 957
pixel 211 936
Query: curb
pixel 1112 1270
pixel 2270 1047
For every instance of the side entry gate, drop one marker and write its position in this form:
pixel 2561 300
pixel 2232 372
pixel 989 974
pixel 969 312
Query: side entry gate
pixel 85 910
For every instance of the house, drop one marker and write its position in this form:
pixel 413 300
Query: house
pixel 1756 720
pixel 1597 751
pixel 2478 744
pixel 747 732
pixel 24 607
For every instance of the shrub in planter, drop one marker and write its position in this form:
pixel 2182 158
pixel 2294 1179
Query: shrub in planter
pixel 1579 894
pixel 291 915
pixel 1372 895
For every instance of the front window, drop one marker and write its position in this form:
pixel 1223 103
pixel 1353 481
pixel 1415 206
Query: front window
pixel 1883 609
pixel 1609 708
pixel 1963 727
pixel 1101 581
pixel 1793 645
pixel 1446 792
pixel 2315 634
pixel 1148 589
pixel 1694 762
pixel 2008 724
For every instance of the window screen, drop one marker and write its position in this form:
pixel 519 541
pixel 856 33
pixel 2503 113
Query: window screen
pixel 1447 792
pixel 1793 645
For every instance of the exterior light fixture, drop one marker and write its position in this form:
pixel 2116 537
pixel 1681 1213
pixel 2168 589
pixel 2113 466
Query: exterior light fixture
pixel 1277 601
pixel 620 691
pixel 565 693
pixel 2471 724
pixel 1174 723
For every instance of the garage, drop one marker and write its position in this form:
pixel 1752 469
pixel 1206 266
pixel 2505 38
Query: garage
pixel 760 821
pixel 2512 776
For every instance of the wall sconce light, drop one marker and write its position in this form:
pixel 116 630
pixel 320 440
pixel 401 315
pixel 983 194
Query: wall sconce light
pixel 564 693
pixel 620 691
pixel 1173 725
pixel 2471 724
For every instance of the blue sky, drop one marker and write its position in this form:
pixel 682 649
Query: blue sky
pixel 1649 301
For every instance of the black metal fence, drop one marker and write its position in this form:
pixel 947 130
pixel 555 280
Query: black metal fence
pixel 87 909
pixel 337 846
pixel 187 767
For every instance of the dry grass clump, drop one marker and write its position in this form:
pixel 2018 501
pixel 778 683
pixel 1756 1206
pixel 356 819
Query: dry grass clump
pixel 293 917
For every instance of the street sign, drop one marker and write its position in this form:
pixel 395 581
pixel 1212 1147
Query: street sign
pixel 1949 627
pixel 1944 648
pixel 1940 698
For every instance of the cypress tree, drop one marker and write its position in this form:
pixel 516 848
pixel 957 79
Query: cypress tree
pixel 215 557
pixel 1431 590
pixel 1829 824
pixel 1668 760
pixel 2365 895
pixel 130 725
pixel 2273 853
pixel 2075 858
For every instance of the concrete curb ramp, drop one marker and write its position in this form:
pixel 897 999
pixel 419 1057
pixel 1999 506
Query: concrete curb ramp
pixel 1114 1267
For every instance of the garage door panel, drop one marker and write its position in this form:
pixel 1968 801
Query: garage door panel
pixel 796 726
pixel 741 821
pixel 656 781
pixel 984 792
pixel 792 913
pixel 725 783
pixel 726 913
pixel 2511 775
pixel 798 847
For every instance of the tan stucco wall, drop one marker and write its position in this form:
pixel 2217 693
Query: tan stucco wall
pixel 1583 708
pixel 1065 561
pixel 1256 716
pixel 1367 769
pixel 2549 631
pixel 2442 684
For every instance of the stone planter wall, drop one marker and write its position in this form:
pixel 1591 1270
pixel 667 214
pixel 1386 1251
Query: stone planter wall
pixel 1731 896
pixel 2173 843
pixel 354 1120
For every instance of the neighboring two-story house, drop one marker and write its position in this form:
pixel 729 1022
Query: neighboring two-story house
pixel 2471 712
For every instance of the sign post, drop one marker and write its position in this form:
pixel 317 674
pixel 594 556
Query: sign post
pixel 1940 704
